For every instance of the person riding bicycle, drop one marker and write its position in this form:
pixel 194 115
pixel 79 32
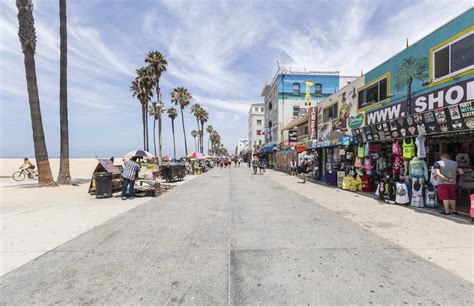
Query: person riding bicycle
pixel 28 166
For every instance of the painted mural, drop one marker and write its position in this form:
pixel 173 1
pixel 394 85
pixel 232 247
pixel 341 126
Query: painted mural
pixel 343 116
pixel 308 87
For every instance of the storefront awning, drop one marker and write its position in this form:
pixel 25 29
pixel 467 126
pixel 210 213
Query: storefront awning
pixel 268 149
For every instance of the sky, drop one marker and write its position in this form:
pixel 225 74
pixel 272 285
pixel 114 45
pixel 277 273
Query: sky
pixel 223 52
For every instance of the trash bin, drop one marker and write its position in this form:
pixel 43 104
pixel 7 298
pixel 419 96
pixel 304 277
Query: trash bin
pixel 103 185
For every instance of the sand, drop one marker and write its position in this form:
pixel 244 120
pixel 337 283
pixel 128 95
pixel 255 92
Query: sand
pixel 79 167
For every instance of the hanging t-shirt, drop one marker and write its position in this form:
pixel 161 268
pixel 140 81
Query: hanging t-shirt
pixel 368 166
pixel 360 150
pixel 420 146
pixel 408 148
pixel 431 199
pixel 396 149
pixel 381 165
pixel 389 191
pixel 358 162
pixel 417 196
pixel 367 149
pixel 463 160
pixel 396 166
pixel 402 194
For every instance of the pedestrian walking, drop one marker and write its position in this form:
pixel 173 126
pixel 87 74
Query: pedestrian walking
pixel 130 171
pixel 293 167
pixel 239 160
pixel 304 169
pixel 261 166
pixel 445 172
pixel 255 165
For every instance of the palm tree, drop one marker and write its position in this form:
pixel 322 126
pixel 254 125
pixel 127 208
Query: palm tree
pixel 215 139
pixel 157 62
pixel 27 36
pixel 64 176
pixel 196 109
pixel 195 133
pixel 182 97
pixel 203 117
pixel 142 89
pixel 154 111
pixel 412 68
pixel 172 114
pixel 209 129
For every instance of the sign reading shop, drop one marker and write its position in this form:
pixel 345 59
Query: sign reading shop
pixel 449 95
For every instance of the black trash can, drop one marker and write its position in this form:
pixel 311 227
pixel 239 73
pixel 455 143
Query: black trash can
pixel 103 185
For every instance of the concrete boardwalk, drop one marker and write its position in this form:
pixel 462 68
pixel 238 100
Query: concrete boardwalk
pixel 229 237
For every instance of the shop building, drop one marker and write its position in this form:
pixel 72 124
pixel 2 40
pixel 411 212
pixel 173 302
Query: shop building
pixel 289 96
pixel 406 112
pixel 256 127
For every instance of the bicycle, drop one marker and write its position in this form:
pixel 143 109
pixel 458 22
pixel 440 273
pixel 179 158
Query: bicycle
pixel 23 174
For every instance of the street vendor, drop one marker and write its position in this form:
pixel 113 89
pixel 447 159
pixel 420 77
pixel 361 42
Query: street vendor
pixel 130 171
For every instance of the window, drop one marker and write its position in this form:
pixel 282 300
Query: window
pixel 305 130
pixel 256 109
pixel 330 113
pixel 296 89
pixel 262 109
pixel 259 122
pixel 296 110
pixel 318 88
pixel 454 57
pixel 374 93
pixel 259 132
pixel 270 106
pixel 259 142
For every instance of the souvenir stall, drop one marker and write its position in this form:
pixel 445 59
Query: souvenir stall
pixel 398 156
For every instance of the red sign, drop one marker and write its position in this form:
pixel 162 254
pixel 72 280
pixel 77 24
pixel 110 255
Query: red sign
pixel 313 130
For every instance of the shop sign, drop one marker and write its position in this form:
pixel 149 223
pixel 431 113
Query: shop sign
pixel 449 95
pixel 286 144
pixel 293 135
pixel 356 121
pixel 313 122
pixel 303 112
pixel 447 119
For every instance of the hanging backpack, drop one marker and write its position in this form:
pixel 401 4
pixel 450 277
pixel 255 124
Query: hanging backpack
pixel 396 148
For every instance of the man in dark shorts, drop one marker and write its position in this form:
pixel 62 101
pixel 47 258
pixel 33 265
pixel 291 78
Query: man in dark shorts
pixel 445 172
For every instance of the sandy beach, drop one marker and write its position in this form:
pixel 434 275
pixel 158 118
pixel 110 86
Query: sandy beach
pixel 80 167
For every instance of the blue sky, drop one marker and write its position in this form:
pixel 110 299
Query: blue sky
pixel 222 51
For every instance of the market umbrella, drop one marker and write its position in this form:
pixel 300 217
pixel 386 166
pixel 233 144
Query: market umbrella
pixel 195 155
pixel 138 153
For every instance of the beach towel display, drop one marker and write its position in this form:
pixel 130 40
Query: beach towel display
pixel 402 194
pixel 417 196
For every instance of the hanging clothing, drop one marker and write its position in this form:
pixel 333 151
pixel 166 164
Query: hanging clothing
pixel 431 199
pixel 367 149
pixel 408 148
pixel 381 165
pixel 433 181
pixel 402 194
pixel 368 166
pixel 358 162
pixel 418 169
pixel 396 149
pixel 420 146
pixel 417 196
pixel 374 148
pixel 463 159
pixel 397 164
pixel 389 191
pixel 360 150
pixel 366 183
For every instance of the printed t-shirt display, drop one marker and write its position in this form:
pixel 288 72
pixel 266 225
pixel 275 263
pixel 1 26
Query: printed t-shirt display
pixel 402 194
pixel 417 196
pixel 408 148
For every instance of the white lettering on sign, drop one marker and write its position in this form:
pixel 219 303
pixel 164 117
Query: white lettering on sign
pixel 438 100
pixel 420 104
pixel 470 91
pixel 384 114
pixel 459 94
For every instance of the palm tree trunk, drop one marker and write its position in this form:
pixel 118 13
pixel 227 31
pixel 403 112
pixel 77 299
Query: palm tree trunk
pixel 174 142
pixel 160 135
pixel 146 128
pixel 202 137
pixel 45 177
pixel 64 176
pixel 409 97
pixel 154 134
pixel 143 126
pixel 160 122
pixel 195 144
pixel 184 133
